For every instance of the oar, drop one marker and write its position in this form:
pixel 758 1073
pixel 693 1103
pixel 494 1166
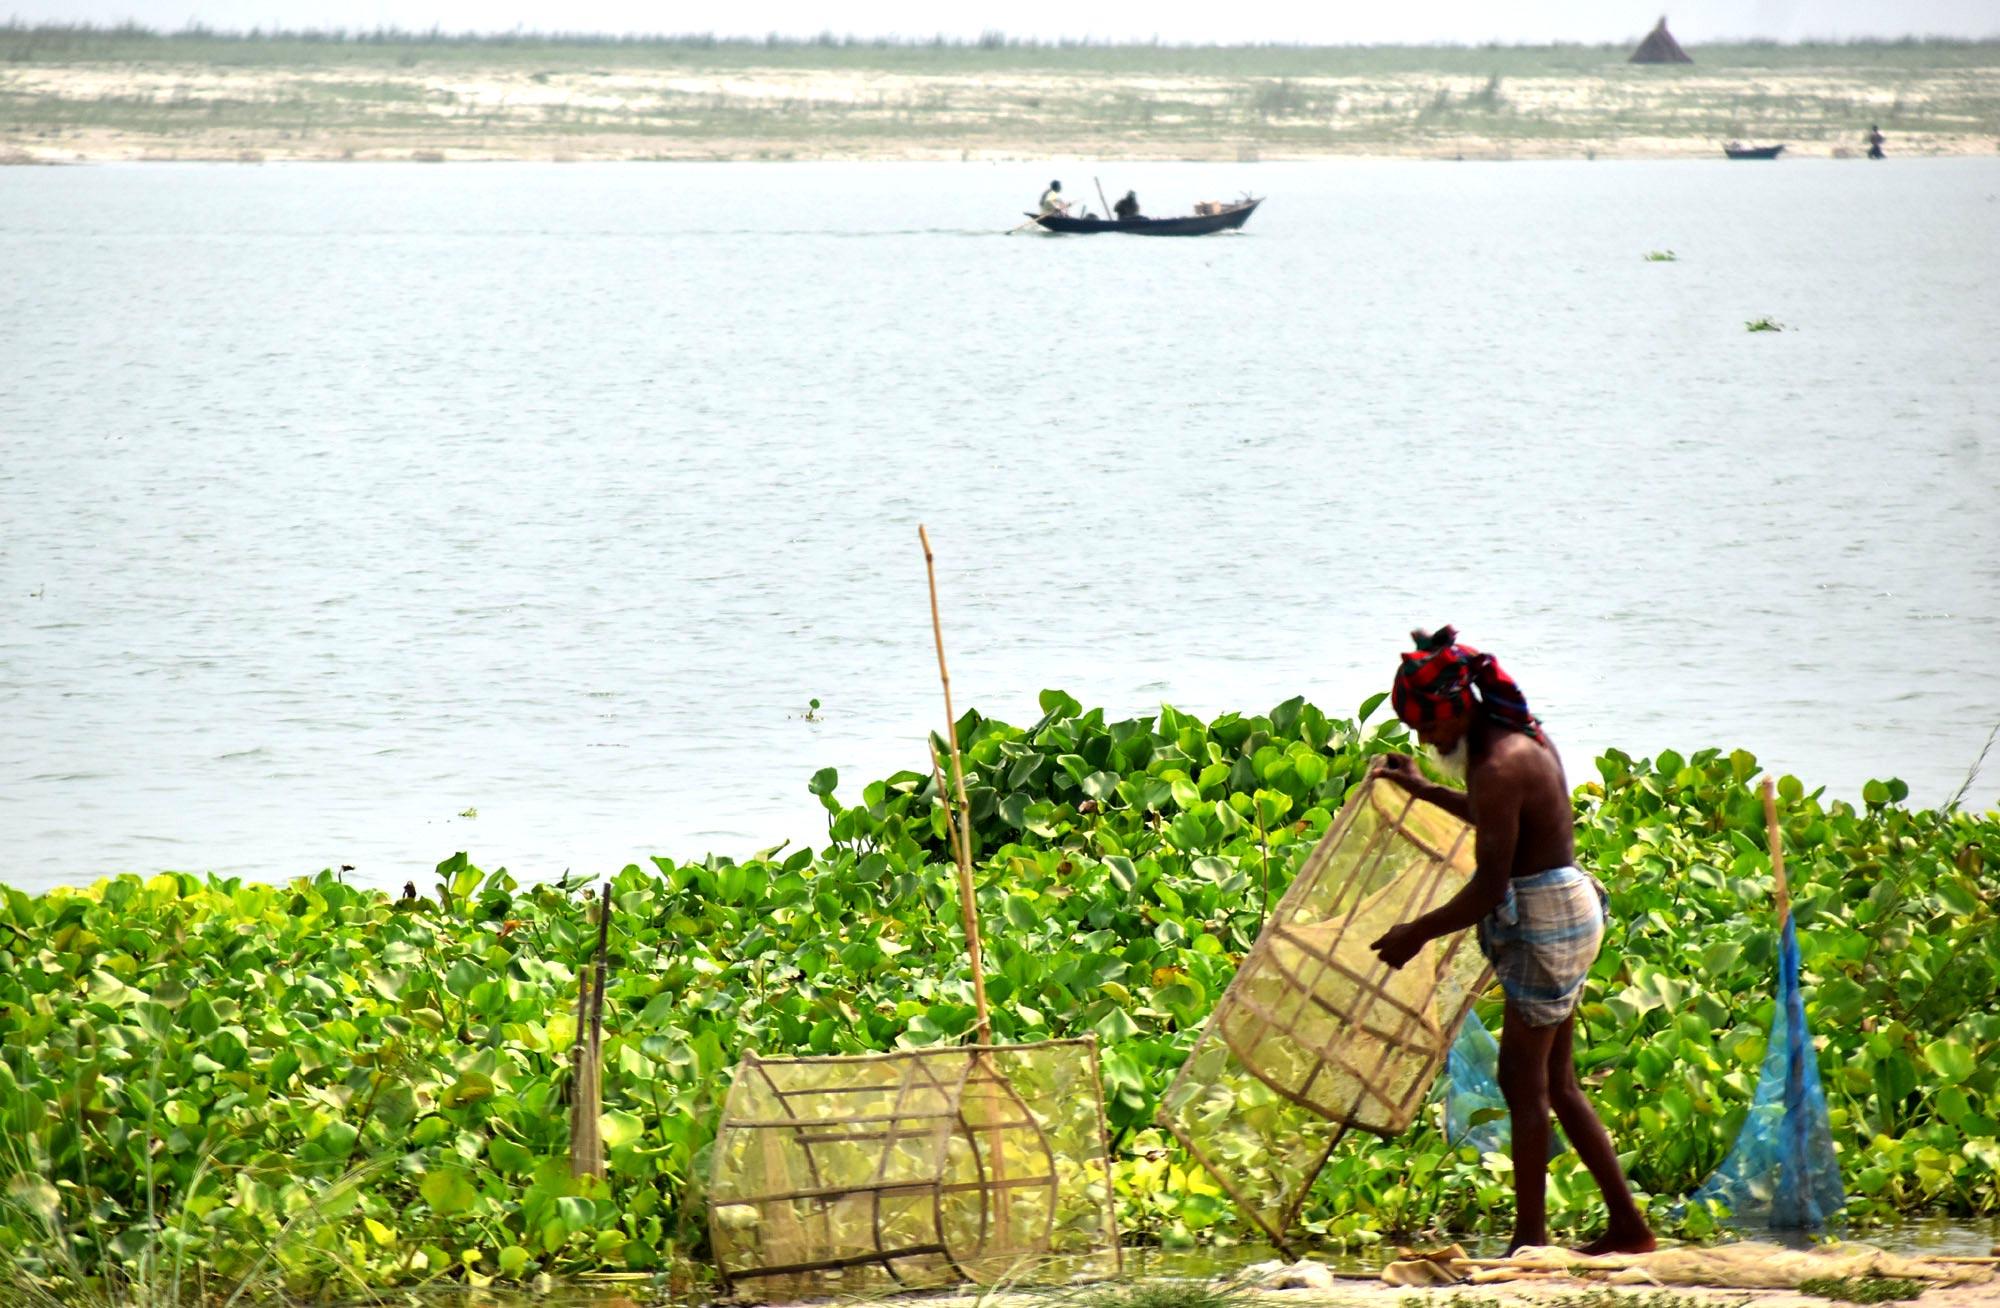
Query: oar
pixel 1101 200
pixel 1032 222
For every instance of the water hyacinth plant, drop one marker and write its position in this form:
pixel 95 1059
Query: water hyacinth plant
pixel 398 1067
pixel 1765 324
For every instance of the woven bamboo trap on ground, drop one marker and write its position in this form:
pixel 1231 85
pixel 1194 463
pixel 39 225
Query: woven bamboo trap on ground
pixel 921 1168
pixel 1315 1036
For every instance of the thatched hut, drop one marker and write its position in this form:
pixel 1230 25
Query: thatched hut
pixel 1659 47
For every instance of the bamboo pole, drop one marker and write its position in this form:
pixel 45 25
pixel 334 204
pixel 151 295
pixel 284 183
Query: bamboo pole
pixel 1101 200
pixel 965 894
pixel 1776 839
pixel 996 1145
pixel 586 1143
pixel 944 797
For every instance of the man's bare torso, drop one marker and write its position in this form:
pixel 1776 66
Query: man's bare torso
pixel 1518 775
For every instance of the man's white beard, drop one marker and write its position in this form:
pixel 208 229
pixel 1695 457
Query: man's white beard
pixel 1453 764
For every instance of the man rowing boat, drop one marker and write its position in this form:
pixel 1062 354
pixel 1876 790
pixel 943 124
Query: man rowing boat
pixel 1540 919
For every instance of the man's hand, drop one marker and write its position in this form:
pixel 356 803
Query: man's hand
pixel 1401 769
pixel 1399 944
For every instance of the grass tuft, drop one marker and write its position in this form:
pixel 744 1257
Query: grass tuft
pixel 1161 1294
pixel 1861 1289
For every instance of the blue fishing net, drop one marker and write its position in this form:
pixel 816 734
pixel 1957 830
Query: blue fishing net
pixel 1475 1112
pixel 1781 1172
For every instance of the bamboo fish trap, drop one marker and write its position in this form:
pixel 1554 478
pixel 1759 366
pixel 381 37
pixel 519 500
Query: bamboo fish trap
pixel 918 1168
pixel 914 1169
pixel 1315 1036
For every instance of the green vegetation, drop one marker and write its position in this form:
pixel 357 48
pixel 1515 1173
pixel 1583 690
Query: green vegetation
pixel 329 1089
pixel 1661 256
pixel 1861 1289
pixel 326 95
pixel 1161 1294
pixel 1763 325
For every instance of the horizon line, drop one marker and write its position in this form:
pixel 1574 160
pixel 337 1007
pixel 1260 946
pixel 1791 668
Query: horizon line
pixel 827 39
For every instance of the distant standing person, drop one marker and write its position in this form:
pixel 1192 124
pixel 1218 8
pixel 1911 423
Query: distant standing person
pixel 1052 200
pixel 1875 142
pixel 1127 208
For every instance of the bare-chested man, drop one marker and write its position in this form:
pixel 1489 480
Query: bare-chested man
pixel 1540 920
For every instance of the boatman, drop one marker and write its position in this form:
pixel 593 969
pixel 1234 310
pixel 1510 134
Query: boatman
pixel 1539 918
pixel 1127 207
pixel 1875 139
pixel 1052 200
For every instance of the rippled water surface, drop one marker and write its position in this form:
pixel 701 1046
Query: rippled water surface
pixel 341 503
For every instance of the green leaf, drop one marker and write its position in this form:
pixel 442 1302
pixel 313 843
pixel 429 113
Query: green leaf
pixel 619 1128
pixel 1021 914
pixel 1311 768
pixel 1100 785
pixel 823 781
pixel 1895 1078
pixel 1116 1027
pixel 1721 955
pixel 1369 705
pixel 449 1190
pixel 1950 1059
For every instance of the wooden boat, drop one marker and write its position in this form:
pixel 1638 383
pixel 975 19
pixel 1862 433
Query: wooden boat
pixel 1752 151
pixel 1200 224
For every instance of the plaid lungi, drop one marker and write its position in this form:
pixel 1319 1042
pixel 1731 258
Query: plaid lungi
pixel 1542 939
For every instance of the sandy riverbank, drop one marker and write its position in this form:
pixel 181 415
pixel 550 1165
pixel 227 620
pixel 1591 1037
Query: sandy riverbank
pixel 224 101
pixel 1374 1294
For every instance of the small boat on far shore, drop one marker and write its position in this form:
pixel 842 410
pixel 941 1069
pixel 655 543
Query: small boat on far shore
pixel 1735 151
pixel 1226 218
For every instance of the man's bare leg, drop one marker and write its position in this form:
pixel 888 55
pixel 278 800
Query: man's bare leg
pixel 1627 1231
pixel 1524 1080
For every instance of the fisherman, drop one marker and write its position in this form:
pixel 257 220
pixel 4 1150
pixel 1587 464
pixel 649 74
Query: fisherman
pixel 1127 208
pixel 1052 200
pixel 1540 919
pixel 1875 139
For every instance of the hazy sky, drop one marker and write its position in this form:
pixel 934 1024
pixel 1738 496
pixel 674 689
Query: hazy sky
pixel 1469 21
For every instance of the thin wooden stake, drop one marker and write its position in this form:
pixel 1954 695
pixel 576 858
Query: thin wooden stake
pixel 586 1144
pixel 1776 838
pixel 965 895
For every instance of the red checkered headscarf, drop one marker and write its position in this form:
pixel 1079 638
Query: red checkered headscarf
pixel 1441 681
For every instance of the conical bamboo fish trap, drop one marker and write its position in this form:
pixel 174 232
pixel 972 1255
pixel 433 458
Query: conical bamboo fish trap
pixel 914 1169
pixel 1316 1036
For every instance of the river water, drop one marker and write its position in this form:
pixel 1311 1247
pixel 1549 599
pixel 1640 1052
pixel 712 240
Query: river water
pixel 359 514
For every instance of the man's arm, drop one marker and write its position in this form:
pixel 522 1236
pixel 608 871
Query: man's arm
pixel 1496 823
pixel 1402 769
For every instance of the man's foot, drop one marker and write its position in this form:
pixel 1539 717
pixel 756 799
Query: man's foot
pixel 1621 1240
